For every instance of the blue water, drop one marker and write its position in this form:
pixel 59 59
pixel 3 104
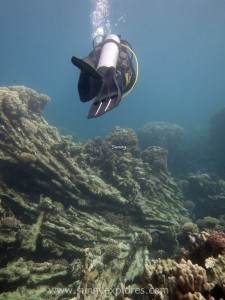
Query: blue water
pixel 180 45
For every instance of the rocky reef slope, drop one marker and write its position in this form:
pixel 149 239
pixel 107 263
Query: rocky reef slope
pixel 78 215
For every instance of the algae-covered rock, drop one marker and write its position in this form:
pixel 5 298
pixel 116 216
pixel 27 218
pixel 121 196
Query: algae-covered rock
pixel 30 238
pixel 26 276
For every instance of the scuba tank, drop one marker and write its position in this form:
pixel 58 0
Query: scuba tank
pixel 109 54
pixel 110 94
pixel 107 73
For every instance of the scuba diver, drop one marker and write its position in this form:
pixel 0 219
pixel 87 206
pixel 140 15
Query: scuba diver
pixel 107 74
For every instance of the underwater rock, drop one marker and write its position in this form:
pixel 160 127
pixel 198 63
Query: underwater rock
pixel 30 239
pixel 63 195
pixel 26 276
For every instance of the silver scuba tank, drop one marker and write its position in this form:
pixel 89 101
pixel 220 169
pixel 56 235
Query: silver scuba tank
pixel 109 54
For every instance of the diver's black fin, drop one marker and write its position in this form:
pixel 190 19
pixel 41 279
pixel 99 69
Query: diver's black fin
pixel 109 96
pixel 87 66
pixel 99 108
pixel 88 87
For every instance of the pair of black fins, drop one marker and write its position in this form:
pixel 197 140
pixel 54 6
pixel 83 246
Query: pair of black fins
pixel 105 89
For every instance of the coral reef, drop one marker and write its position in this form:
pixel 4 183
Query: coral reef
pixel 20 273
pixel 208 194
pixel 165 135
pixel 217 269
pixel 83 220
pixel 209 222
pixel 216 275
pixel 161 134
pixel 189 228
pixel 156 157
pixel 57 198
pixel 122 137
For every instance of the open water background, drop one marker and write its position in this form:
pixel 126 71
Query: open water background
pixel 180 46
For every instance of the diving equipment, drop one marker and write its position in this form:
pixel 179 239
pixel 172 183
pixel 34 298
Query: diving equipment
pixel 110 94
pixel 109 54
pixel 107 73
